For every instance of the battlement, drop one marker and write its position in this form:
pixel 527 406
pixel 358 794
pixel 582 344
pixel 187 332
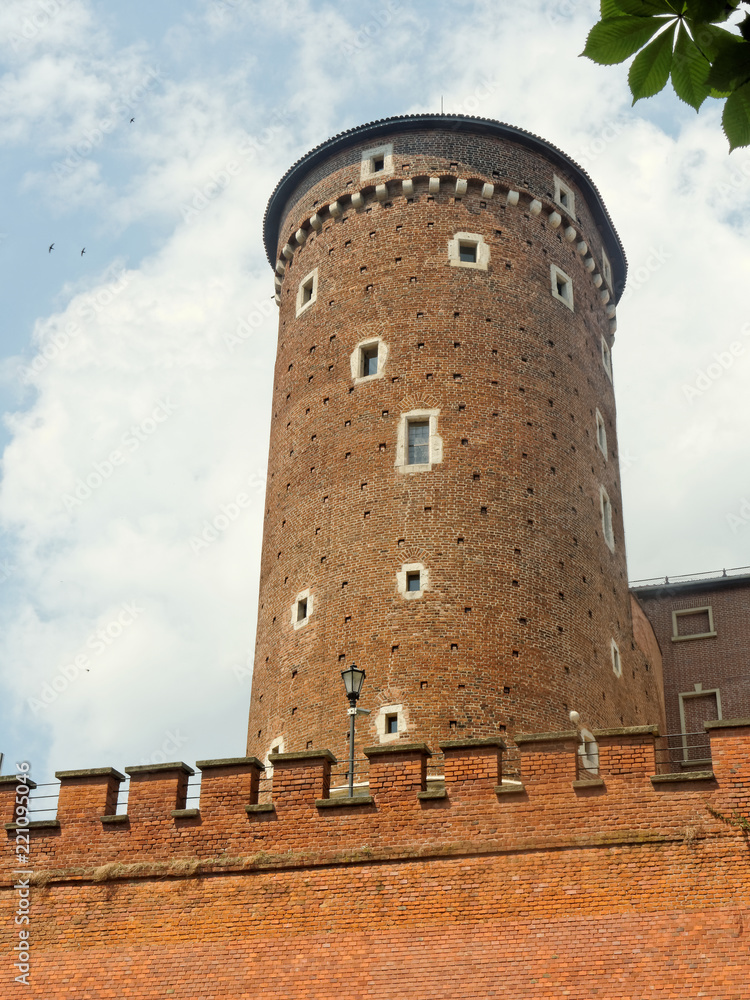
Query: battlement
pixel 558 802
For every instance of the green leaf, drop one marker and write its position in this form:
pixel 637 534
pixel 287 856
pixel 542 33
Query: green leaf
pixel 712 40
pixel 690 71
pixel 736 118
pixel 650 70
pixel 614 39
pixel 731 67
pixel 706 10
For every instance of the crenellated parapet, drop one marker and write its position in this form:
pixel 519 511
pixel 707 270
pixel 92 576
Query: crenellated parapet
pixel 474 808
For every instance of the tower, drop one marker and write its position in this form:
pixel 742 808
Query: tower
pixel 443 503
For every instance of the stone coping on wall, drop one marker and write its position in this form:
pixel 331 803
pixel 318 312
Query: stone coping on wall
pixel 492 741
pixel 302 756
pixel 175 765
pixel 397 748
pixel 91 772
pixel 726 724
pixel 207 765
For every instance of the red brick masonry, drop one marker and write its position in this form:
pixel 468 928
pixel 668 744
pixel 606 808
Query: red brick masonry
pixel 630 885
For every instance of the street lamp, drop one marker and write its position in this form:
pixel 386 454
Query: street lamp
pixel 353 680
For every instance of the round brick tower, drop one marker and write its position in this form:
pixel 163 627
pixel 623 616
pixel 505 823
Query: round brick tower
pixel 443 503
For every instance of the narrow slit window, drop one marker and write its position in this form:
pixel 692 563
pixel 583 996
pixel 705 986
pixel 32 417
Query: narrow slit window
pixel 609 535
pixel 307 291
pixel 607 358
pixel 616 661
pixel 414 581
pixel 562 286
pixel 418 442
pixel 378 164
pixel 601 434
pixel 302 609
pixel 391 723
pixel 370 361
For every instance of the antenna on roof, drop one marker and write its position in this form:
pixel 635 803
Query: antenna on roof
pixel 441 104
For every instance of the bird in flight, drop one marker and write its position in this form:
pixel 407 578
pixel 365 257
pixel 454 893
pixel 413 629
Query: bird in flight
pixel 83 251
pixel 51 248
pixel 132 120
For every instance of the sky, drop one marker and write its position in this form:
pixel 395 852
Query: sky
pixel 123 639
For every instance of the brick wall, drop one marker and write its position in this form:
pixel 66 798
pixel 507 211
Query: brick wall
pixel 622 885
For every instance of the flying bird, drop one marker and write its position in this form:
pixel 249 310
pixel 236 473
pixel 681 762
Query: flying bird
pixel 83 251
pixel 51 248
pixel 132 120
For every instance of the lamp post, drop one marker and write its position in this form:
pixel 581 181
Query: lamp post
pixel 353 679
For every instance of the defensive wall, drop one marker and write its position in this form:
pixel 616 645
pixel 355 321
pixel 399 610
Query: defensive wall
pixel 623 883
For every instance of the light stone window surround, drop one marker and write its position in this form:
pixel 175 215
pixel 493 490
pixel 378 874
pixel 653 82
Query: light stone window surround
pixel 616 659
pixel 355 359
pixel 607 525
pixel 305 283
pixel 606 268
pixel 558 276
pixel 304 595
pixel 676 637
pixel 607 358
pixel 435 445
pixel 380 722
pixel 601 434
pixel 277 746
pixel 477 240
pixel 424 580
pixel 368 155
pixel 564 196
pixel 588 751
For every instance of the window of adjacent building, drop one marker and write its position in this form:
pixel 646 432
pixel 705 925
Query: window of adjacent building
pixel 412 580
pixel 418 445
pixel 307 291
pixel 564 196
pixel 561 285
pixel 468 250
pixel 696 708
pixel 601 434
pixel 607 529
pixel 368 359
pixel 693 623
pixel 607 358
pixel 302 609
pixel 616 661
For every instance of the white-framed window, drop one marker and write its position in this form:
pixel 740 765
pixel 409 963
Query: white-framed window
pixel 607 358
pixel 368 359
pixel 606 268
pixel 601 434
pixel 418 445
pixel 307 291
pixel 693 623
pixel 564 196
pixel 616 661
pixel 468 250
pixel 412 580
pixel 607 529
pixel 390 722
pixel 377 162
pixel 302 608
pixel 561 286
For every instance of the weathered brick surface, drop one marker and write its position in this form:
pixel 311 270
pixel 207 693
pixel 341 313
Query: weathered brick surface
pixel 524 596
pixel 629 889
